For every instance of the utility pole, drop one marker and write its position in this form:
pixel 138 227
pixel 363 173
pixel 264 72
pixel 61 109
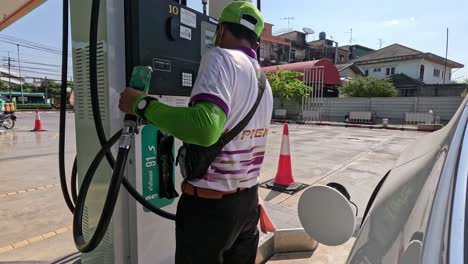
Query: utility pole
pixel 350 32
pixel 380 43
pixel 9 76
pixel 288 19
pixel 259 49
pixel 204 3
pixel 446 55
pixel 46 88
pixel 19 71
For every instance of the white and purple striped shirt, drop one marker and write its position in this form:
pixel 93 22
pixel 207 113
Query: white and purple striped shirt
pixel 229 78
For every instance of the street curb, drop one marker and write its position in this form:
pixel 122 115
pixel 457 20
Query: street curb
pixel 346 125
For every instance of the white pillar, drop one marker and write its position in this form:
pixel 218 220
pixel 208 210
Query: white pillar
pixel 216 6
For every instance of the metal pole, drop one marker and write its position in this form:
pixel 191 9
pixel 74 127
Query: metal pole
pixel 336 53
pixel 204 3
pixel 304 78
pixel 46 88
pixel 19 71
pixel 314 77
pixel 311 93
pixel 446 55
pixel 9 76
pixel 259 7
pixel 321 91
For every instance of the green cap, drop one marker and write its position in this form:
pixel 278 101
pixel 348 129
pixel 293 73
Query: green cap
pixel 240 12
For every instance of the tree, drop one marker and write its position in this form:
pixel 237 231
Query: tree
pixel 369 87
pixel 3 86
pixel 285 84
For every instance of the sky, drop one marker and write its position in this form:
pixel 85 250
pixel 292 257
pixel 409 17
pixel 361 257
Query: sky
pixel 418 24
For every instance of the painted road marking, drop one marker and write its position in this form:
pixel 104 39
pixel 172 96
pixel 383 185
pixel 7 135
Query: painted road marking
pixel 35 239
pixel 29 190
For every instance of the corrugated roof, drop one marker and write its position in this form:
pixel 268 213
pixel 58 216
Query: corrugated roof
pixel 24 93
pixel 392 51
pixel 344 66
pixel 352 66
pixel 331 75
pixel 397 52
pixel 401 80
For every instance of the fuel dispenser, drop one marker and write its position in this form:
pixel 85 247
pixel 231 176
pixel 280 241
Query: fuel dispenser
pixel 110 40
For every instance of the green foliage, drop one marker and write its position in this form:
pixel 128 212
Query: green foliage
pixel 3 85
pixel 286 85
pixel 369 87
pixel 33 106
pixel 53 88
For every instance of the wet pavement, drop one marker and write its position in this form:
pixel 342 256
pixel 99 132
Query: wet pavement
pixel 35 222
pixel 31 204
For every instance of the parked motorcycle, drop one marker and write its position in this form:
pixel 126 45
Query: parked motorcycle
pixel 7 120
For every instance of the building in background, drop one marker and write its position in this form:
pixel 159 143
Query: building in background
pixel 425 67
pixel 12 76
pixel 324 48
pixel 274 50
pixel 356 51
pixel 349 71
pixel 298 45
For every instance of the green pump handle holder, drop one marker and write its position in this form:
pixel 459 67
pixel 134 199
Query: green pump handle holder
pixel 157 185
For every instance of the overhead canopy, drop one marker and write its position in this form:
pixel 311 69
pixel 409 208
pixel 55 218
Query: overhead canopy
pixel 12 10
pixel 331 74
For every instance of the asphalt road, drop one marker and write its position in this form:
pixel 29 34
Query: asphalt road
pixel 31 204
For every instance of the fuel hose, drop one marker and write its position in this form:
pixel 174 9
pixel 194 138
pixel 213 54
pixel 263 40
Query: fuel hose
pixel 76 202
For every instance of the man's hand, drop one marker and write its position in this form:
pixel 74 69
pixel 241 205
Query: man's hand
pixel 127 97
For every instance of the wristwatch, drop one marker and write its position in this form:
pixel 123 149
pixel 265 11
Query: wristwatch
pixel 143 104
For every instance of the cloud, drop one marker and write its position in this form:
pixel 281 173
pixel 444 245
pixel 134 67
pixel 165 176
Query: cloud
pixel 400 21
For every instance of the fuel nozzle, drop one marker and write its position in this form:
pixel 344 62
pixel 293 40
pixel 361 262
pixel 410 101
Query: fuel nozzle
pixel 140 80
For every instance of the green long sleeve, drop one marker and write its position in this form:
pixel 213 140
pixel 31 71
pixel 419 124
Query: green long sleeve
pixel 200 124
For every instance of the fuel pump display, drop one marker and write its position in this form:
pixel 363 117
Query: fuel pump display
pixel 171 38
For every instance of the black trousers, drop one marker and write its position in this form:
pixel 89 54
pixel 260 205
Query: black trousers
pixel 218 231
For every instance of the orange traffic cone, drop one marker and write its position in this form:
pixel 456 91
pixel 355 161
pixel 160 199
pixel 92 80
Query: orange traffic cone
pixel 284 180
pixel 38 122
pixel 284 174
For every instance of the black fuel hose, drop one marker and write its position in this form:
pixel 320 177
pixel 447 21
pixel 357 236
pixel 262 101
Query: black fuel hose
pixel 63 105
pixel 117 165
pixel 97 112
pixel 74 182
pixel 111 197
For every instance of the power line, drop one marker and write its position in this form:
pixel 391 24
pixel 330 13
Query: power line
pixel 41 73
pixel 31 46
pixel 29 43
pixel 39 69
pixel 39 63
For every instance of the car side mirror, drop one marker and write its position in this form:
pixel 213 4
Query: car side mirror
pixel 326 213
